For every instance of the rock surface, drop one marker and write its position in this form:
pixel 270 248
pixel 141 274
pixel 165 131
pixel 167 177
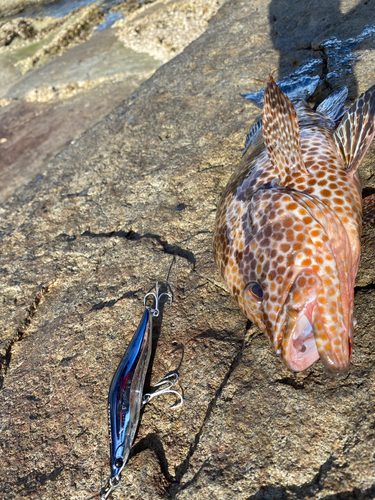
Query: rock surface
pixel 52 106
pixel 11 7
pixel 65 49
pixel 165 27
pixel 58 77
pixel 133 202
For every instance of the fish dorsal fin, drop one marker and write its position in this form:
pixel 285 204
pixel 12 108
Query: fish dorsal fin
pixel 368 209
pixel 357 128
pixel 333 106
pixel 281 132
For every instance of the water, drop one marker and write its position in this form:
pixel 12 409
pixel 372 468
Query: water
pixel 62 8
pixel 59 9
pixel 110 19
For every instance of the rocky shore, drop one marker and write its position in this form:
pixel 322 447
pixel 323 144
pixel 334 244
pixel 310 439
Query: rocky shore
pixel 62 58
pixel 132 201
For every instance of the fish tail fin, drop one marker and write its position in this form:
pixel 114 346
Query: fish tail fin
pixel 252 136
pixel 368 209
pixel 299 88
pixel 281 132
pixel 356 130
pixel 333 106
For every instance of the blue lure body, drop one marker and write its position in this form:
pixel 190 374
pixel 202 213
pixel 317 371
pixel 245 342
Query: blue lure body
pixel 126 394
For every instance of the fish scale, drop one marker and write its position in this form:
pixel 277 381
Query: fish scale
pixel 288 226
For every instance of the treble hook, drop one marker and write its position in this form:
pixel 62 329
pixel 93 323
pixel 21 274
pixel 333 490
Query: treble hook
pixel 157 297
pixel 169 383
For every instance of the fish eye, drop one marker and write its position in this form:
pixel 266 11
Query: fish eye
pixel 254 291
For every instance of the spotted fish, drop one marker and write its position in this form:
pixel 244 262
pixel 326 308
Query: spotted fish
pixel 288 227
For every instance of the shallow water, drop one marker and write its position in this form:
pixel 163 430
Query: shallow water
pixel 110 19
pixel 62 8
pixel 57 9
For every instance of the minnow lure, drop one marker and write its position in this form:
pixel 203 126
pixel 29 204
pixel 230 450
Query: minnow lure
pixel 126 398
pixel 288 226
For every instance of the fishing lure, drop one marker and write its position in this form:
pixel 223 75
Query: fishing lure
pixel 126 400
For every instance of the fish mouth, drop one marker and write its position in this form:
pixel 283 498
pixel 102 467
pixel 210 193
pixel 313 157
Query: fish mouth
pixel 306 340
pixel 300 350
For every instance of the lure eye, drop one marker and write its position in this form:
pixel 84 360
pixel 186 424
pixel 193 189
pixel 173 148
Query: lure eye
pixel 254 291
pixel 119 462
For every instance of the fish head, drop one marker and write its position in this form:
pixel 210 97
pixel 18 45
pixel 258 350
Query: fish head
pixel 313 324
pixel 296 274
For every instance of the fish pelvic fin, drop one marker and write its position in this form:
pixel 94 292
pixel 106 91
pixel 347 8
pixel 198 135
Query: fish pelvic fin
pixel 368 209
pixel 281 133
pixel 356 130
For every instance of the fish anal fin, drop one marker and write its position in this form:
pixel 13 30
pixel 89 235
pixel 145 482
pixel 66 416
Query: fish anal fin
pixel 356 130
pixel 281 133
pixel 368 209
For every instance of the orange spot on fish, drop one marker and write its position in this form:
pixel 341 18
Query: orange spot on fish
pixel 292 206
pixel 307 220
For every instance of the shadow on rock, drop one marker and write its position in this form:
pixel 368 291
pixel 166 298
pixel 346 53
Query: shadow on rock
pixel 299 27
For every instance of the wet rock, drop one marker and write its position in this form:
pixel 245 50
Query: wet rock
pixel 12 7
pixel 33 130
pixel 81 246
pixel 76 30
pixel 17 27
pixel 68 56
pixel 102 56
pixel 49 107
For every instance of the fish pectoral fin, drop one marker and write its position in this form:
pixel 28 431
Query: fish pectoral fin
pixel 368 209
pixel 356 130
pixel 281 133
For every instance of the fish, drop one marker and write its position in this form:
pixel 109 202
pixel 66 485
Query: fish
pixel 288 226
